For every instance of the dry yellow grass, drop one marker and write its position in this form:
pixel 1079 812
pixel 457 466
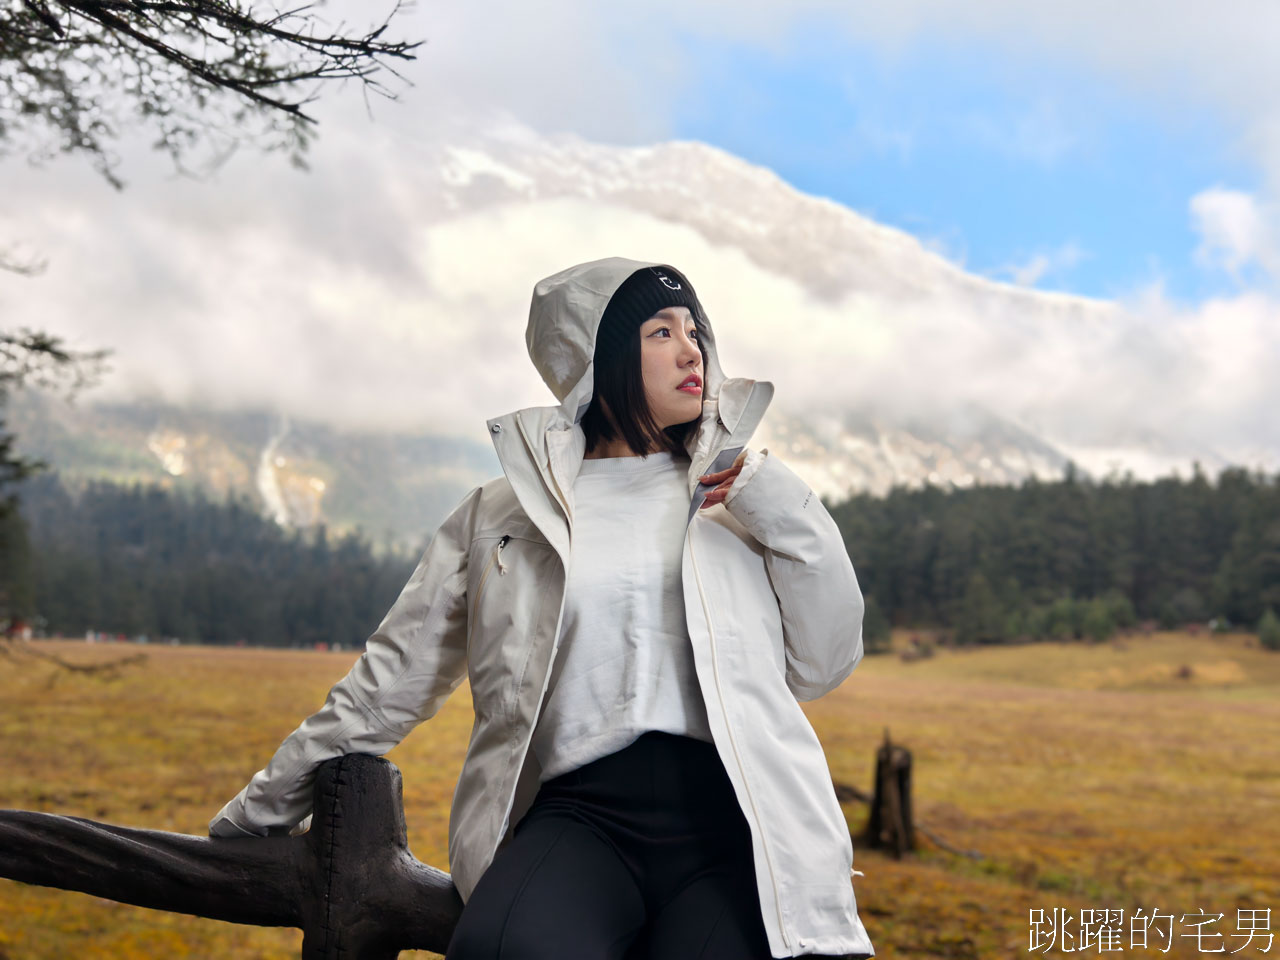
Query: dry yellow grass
pixel 1087 777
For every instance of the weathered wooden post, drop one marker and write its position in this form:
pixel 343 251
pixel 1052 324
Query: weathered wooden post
pixel 890 824
pixel 350 882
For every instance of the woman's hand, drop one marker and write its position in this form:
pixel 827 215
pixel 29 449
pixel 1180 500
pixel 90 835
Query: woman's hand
pixel 724 478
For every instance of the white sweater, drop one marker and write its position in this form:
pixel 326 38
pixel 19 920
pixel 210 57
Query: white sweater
pixel 625 664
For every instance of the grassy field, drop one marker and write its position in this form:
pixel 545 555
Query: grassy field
pixel 1086 777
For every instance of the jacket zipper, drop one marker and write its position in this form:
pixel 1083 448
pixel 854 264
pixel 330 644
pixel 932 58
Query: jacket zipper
pixel 710 456
pixel 715 670
pixel 496 559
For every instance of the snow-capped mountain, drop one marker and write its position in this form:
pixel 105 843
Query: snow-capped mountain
pixel 844 259
pixel 376 322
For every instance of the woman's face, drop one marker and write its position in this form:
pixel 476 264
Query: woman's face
pixel 669 356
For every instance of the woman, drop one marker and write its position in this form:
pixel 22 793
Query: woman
pixel 641 780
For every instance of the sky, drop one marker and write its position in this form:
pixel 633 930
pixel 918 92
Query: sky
pixel 1044 177
pixel 1128 154
pixel 1086 147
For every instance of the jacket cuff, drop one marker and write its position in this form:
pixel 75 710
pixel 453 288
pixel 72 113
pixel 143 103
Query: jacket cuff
pixel 774 497
pixel 750 464
pixel 223 826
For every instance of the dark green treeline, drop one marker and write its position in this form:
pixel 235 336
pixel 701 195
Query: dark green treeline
pixel 144 561
pixel 1068 558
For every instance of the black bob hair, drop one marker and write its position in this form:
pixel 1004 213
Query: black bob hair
pixel 620 381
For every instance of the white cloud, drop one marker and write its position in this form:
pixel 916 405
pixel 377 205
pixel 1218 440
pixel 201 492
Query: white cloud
pixel 1039 265
pixel 1235 231
pixel 384 311
pixel 952 245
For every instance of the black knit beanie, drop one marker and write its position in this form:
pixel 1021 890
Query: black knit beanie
pixel 640 296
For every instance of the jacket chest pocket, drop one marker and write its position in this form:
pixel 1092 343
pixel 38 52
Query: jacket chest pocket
pixel 507 579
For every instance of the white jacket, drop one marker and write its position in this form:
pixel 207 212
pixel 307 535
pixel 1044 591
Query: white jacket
pixel 774 614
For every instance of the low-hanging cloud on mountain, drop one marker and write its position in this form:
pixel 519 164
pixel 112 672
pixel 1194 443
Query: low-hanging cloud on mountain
pixel 389 289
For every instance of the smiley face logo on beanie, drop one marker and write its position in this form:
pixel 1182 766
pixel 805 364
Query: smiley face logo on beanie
pixel 666 280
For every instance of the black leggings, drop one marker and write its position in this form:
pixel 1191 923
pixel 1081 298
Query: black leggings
pixel 640 855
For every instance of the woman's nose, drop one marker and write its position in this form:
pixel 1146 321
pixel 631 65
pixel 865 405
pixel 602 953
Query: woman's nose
pixel 690 350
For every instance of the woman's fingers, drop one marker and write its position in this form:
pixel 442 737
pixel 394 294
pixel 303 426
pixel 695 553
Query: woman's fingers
pixel 723 479
pixel 715 496
pixel 718 494
pixel 727 472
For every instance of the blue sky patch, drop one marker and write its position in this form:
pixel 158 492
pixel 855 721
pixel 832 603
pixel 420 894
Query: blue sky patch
pixel 1021 169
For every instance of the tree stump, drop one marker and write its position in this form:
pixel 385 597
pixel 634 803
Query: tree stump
pixel 890 825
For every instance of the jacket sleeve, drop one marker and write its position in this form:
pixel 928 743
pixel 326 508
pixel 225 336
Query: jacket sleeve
pixel 812 574
pixel 411 664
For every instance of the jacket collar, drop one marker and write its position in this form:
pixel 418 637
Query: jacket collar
pixel 541 452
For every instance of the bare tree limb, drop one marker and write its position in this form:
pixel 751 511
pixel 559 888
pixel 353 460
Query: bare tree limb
pixel 204 73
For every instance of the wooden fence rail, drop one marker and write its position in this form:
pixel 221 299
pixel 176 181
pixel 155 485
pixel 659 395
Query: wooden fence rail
pixel 350 882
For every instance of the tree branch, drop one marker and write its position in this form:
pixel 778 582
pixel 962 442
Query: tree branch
pixel 68 67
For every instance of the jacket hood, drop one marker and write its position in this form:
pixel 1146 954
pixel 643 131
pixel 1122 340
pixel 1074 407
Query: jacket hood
pixel 564 318
pixel 541 448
